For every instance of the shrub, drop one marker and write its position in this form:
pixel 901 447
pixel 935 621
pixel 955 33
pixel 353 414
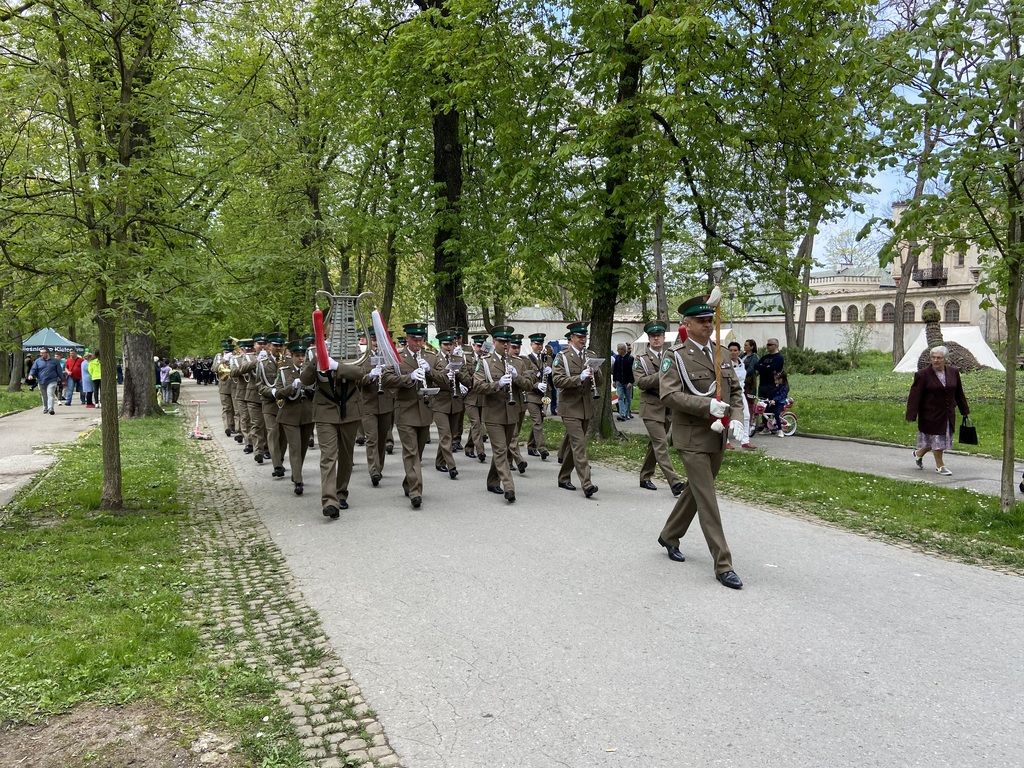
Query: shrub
pixel 810 361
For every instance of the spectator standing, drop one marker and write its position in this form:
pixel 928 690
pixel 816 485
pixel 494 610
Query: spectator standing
pixel 165 380
pixel 94 373
pixel 770 363
pixel 46 371
pixel 934 397
pixel 73 374
pixel 87 387
pixel 741 371
pixel 622 375
pixel 174 380
pixel 749 358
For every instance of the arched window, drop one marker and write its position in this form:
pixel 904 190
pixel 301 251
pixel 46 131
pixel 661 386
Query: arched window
pixel 908 313
pixel 952 312
pixel 888 313
pixel 928 305
pixel 836 315
pixel 819 315
pixel 851 314
pixel 869 313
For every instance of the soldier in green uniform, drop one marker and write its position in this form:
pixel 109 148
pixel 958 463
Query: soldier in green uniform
pixel 253 400
pixel 515 457
pixel 688 387
pixel 221 366
pixel 475 442
pixel 579 386
pixel 538 363
pixel 656 415
pixel 501 379
pixel 266 382
pixel 378 412
pixel 245 359
pixel 336 415
pixel 449 375
pixel 463 355
pixel 413 415
pixel 295 418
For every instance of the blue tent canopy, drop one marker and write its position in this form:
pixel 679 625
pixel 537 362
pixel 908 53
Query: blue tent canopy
pixel 47 337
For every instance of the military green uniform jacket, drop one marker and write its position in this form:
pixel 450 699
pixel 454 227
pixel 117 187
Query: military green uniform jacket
pixel 575 395
pixel 691 411
pixel 443 402
pixel 495 398
pixel 337 399
pixel 297 408
pixel 647 375
pixel 409 406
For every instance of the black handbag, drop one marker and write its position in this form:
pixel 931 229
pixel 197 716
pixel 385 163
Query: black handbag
pixel 968 432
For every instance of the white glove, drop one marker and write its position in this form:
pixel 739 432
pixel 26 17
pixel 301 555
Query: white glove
pixel 262 355
pixel 586 374
pixel 717 426
pixel 505 380
pixel 226 358
pixel 463 388
pixel 451 375
pixel 542 387
pixel 419 375
pixel 718 408
pixel 738 432
pixel 296 384
pixel 332 364
pixel 424 365
pixel 375 372
pixel 515 373
pixel 547 370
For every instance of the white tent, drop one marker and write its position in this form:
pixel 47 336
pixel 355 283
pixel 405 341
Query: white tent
pixel 969 337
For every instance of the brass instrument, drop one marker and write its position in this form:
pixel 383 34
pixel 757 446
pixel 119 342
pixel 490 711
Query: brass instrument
pixel 592 363
pixel 453 367
pixel 378 361
pixel 425 391
pixel 223 371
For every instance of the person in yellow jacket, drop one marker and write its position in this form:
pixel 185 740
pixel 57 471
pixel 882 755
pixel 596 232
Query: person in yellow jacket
pixel 94 372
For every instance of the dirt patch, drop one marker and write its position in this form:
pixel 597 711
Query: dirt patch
pixel 141 735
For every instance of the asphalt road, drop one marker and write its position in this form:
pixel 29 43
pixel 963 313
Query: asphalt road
pixel 555 631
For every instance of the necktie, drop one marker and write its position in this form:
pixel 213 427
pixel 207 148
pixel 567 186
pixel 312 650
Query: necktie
pixel 707 352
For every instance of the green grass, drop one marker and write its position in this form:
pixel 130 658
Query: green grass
pixel 19 401
pixel 93 601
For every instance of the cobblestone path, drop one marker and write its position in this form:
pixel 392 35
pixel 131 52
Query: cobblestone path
pixel 254 611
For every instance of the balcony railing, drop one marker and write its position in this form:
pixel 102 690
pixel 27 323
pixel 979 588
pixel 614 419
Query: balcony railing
pixel 931 276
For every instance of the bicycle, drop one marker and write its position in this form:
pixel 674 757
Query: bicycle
pixel 789 419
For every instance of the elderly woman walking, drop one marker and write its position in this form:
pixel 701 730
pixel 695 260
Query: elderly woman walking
pixel 934 397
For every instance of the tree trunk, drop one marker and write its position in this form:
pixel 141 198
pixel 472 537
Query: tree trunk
pixel 661 312
pixel 111 495
pixel 17 365
pixel 139 380
pixel 449 305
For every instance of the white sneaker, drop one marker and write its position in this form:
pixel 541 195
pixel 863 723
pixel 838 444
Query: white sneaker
pixel 780 433
pixel 944 471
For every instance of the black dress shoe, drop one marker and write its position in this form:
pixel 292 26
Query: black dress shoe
pixel 471 454
pixel 678 488
pixel 457 447
pixel 266 454
pixel 441 468
pixel 673 552
pixel 730 579
pixel 544 455
pixel 588 492
pixel 238 438
pixel 494 489
pixel 247 449
pixel 648 485
pixel 453 473
pixel 521 466
pixel 360 441
pixel 510 496
pixel 559 459
pixel 278 472
pixel 482 456
pixel 567 486
pixel 343 504
pixel 389 449
pixel 485 437
pixel 375 479
pixel 332 512
pixel 312 443
pixel 227 432
pixel 258 458
pixel 298 489
pixel 416 501
pixel 533 452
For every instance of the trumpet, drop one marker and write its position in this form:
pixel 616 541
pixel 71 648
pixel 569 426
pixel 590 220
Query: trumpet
pixel 593 381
